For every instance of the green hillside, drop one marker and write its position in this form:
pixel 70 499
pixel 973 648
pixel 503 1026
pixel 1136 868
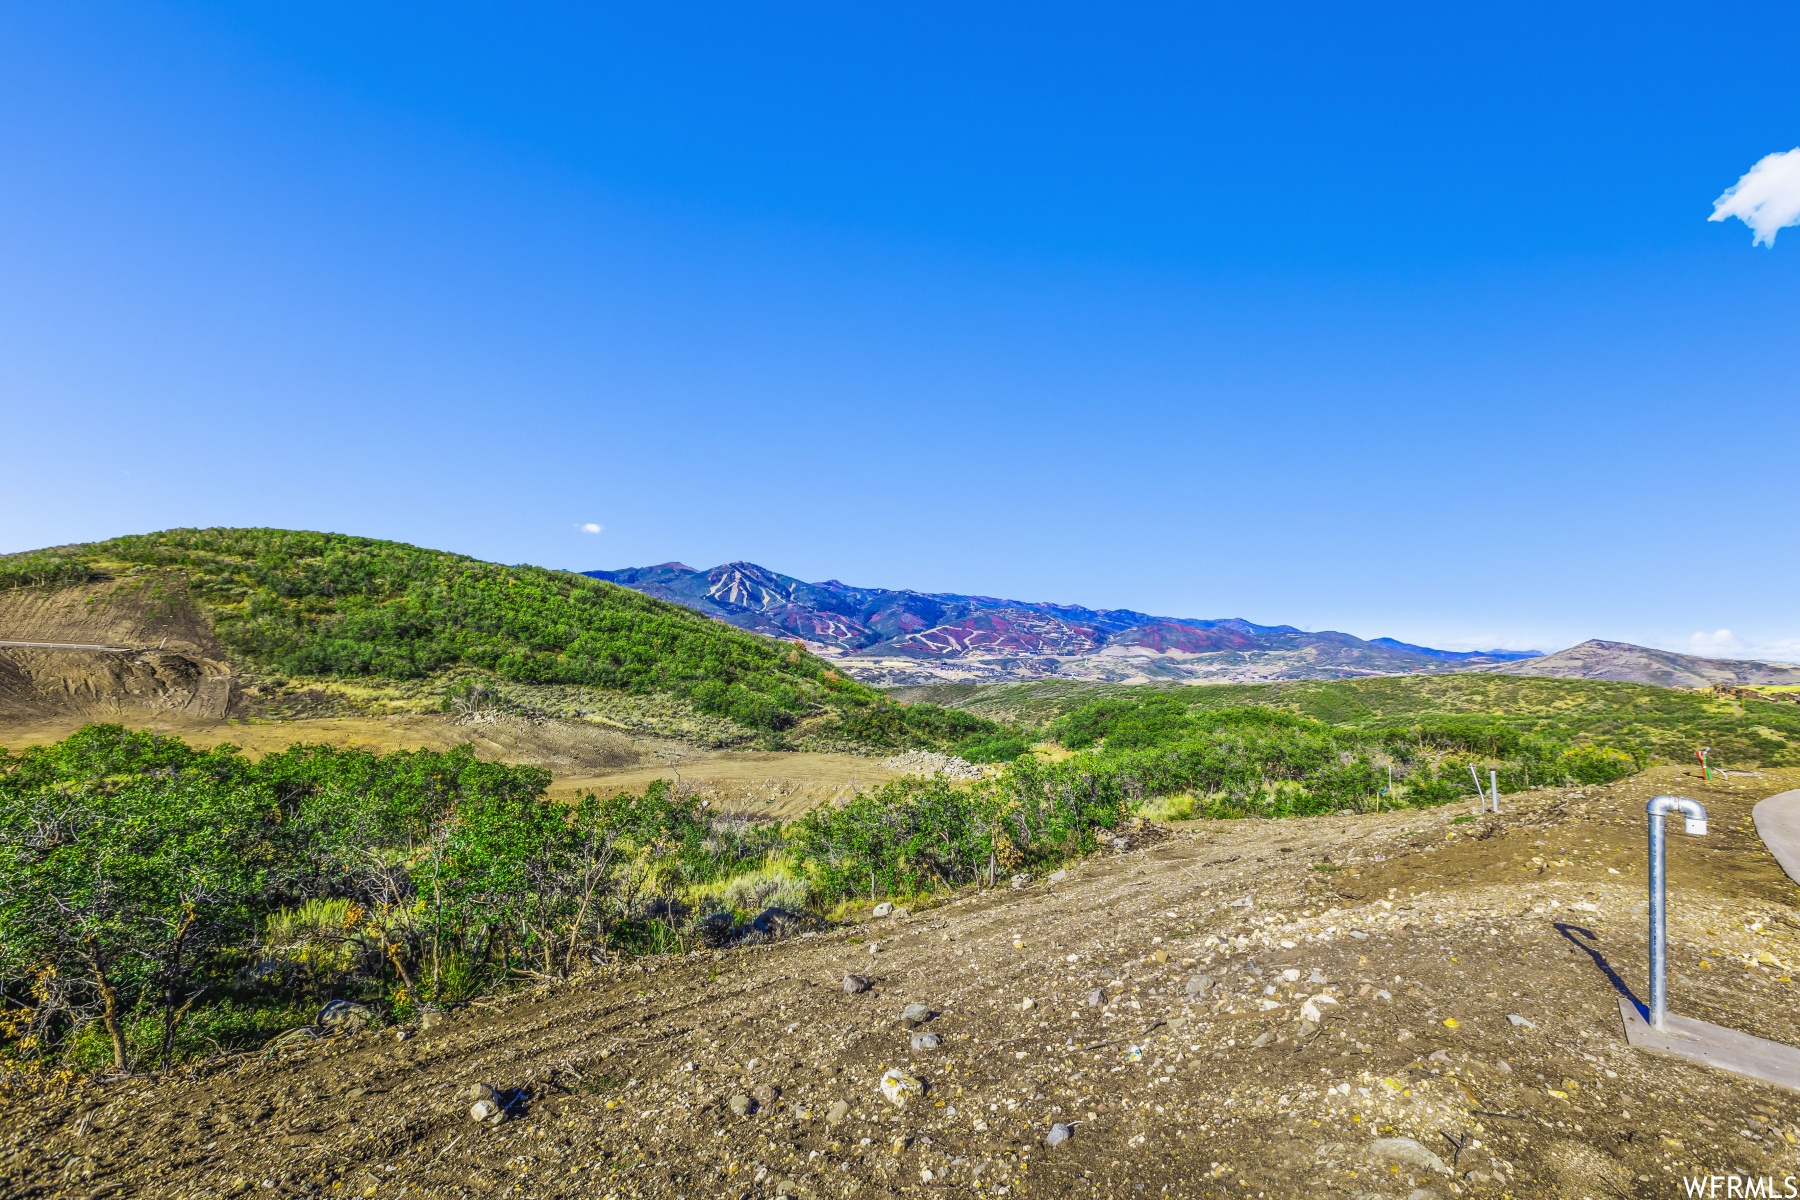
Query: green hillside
pixel 301 604
pixel 1645 721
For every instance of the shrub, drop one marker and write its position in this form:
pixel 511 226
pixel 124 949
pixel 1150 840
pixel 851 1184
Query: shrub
pixel 1596 764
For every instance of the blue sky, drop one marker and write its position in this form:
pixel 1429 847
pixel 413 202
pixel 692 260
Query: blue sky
pixel 1406 323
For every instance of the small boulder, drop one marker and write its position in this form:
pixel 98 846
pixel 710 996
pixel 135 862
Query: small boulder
pixel 856 983
pixel 740 1104
pixel 344 1016
pixel 1406 1151
pixel 915 1015
pixel 1096 997
pixel 882 909
pixel 766 1095
pixel 1519 1021
pixel 1059 1133
pixel 489 1105
pixel 926 1041
pixel 836 1114
pixel 1019 881
pixel 1027 1004
pixel 898 1086
pixel 1317 976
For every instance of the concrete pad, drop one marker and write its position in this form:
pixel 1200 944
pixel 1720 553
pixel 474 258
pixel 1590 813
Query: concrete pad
pixel 1778 825
pixel 1724 1049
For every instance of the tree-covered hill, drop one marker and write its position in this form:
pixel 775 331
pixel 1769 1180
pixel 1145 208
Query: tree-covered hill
pixel 305 604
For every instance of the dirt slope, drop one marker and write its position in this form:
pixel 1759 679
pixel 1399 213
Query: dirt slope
pixel 139 613
pixel 168 663
pixel 1426 933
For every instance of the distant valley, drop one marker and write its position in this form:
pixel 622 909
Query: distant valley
pixel 894 638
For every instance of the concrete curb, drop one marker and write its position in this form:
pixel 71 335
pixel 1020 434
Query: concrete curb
pixel 1778 825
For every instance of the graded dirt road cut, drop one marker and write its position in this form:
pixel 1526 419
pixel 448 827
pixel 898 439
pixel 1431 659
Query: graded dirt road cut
pixel 1414 1004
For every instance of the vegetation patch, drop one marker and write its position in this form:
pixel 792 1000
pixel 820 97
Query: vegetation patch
pixel 1485 712
pixel 364 624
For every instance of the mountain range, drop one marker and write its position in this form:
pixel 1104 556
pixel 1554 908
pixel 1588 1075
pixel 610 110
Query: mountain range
pixel 894 637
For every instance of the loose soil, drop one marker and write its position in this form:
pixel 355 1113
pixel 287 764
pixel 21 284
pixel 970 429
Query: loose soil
pixel 1428 929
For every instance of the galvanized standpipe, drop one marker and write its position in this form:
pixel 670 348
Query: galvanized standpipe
pixel 1494 787
pixel 1659 925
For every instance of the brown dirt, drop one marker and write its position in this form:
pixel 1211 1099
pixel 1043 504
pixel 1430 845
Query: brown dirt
pixel 144 612
pixel 630 1072
pixel 779 785
pixel 169 664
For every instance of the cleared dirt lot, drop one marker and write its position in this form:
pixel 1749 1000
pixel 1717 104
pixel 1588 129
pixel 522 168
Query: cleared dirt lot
pixel 1426 932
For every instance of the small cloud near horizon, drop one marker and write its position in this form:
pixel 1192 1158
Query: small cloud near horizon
pixel 1722 643
pixel 591 527
pixel 1766 198
pixel 1719 641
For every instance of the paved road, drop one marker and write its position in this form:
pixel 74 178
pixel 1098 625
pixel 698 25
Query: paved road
pixel 61 646
pixel 1778 824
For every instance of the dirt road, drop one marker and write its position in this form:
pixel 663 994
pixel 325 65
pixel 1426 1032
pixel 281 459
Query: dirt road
pixel 1463 970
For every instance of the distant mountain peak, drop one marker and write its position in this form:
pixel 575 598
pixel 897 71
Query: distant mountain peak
pixel 1458 655
pixel 1623 662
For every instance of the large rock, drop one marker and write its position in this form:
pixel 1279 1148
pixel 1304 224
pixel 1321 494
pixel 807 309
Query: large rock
pixel 344 1016
pixel 1409 1153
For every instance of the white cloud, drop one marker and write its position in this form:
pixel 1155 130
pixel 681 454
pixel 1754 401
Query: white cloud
pixel 1722 643
pixel 1711 645
pixel 591 527
pixel 1766 199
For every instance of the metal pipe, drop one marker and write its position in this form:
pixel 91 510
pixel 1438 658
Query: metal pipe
pixel 1659 926
pixel 1479 794
pixel 1494 787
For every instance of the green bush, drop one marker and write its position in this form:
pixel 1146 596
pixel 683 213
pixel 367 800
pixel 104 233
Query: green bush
pixel 43 567
pixel 1596 764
